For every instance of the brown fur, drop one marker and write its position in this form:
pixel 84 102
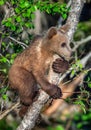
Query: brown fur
pixel 30 67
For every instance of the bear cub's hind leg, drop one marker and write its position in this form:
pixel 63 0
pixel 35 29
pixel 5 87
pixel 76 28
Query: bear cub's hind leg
pixel 27 88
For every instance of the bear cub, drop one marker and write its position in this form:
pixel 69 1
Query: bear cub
pixel 30 67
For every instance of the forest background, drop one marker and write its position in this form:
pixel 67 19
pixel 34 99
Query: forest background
pixel 19 22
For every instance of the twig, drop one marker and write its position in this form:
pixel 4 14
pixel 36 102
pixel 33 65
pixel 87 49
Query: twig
pixel 85 59
pixel 0 41
pixel 69 3
pixel 4 113
pixel 20 43
pixel 78 43
pixel 69 122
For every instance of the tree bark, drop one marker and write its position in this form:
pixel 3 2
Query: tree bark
pixel 30 118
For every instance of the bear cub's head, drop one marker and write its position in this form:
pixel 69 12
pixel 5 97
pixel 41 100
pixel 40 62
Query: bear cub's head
pixel 58 41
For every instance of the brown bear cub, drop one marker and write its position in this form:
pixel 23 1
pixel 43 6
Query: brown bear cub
pixel 31 66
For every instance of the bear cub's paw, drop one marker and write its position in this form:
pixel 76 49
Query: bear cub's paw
pixel 60 65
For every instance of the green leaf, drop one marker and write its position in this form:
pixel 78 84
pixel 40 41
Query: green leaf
pixel 67 100
pixel 35 7
pixel 22 1
pixel 12 2
pixel 88 79
pixel 1 2
pixel 7 55
pixel 22 5
pixel 5 97
pixel 3 59
pixel 32 16
pixel 79 125
pixel 26 3
pixel 63 9
pixel 81 66
pixel 64 16
pixel 55 9
pixel 3 44
pixel 13 55
pixel 18 19
pixel 3 90
pixel 4 70
pixel 11 61
pixel 32 8
pixel 24 14
pixel 28 25
pixel 72 73
pixel 89 85
pixel 59 127
pixel 49 128
pixel 13 27
pixel 9 19
pixel 17 10
pixel 84 109
pixel 82 105
pixel 7 24
pixel 84 117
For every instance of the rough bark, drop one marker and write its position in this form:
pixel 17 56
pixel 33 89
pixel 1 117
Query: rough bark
pixel 30 118
pixel 73 18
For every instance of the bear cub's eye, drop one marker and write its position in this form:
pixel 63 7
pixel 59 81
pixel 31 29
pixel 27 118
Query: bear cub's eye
pixel 63 44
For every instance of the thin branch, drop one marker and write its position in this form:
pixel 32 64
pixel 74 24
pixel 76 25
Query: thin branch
pixel 4 113
pixel 85 59
pixel 69 3
pixel 20 43
pixel 0 41
pixel 78 43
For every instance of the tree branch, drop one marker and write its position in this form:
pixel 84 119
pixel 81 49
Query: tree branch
pixel 30 118
pixel 73 17
pixel 20 43
pixel 85 59
pixel 4 113
pixel 78 43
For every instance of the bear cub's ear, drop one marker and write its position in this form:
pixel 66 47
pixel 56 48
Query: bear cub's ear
pixel 64 28
pixel 51 32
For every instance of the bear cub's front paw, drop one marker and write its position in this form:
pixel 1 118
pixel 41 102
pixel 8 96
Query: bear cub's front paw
pixel 60 65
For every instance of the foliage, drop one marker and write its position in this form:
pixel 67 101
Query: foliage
pixel 6 60
pixel 58 127
pixel 22 18
pixel 78 121
pixel 82 96
pixel 76 67
pixel 3 93
pixel 24 13
pixel 82 121
pixel 4 125
pixel 83 30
